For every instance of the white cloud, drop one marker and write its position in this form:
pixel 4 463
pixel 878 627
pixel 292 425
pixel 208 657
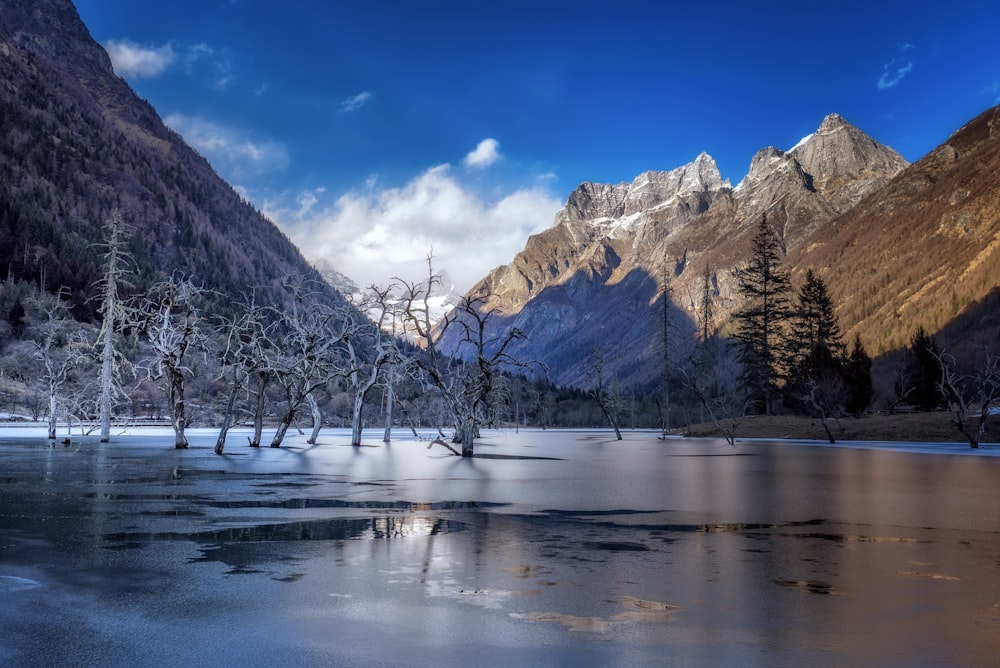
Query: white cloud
pixel 484 155
pixel 235 154
pixel 375 235
pixel 993 90
pixel 892 73
pixel 356 102
pixel 132 60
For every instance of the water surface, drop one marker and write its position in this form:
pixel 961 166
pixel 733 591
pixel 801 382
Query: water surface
pixel 558 548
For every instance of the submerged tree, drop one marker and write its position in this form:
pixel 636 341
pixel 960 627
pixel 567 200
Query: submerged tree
pixel 377 336
pixel 117 271
pixel 61 346
pixel 465 386
pixel 244 355
pixel 169 318
pixel 761 321
pixel 607 397
pixel 969 395
pixel 304 354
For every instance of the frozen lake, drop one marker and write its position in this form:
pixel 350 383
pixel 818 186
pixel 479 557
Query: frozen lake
pixel 556 548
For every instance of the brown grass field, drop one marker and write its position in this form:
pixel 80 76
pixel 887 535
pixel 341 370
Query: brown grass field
pixel 933 427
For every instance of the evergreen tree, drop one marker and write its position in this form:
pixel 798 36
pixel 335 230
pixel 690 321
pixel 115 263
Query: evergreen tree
pixel 762 321
pixel 814 322
pixel 923 372
pixel 858 374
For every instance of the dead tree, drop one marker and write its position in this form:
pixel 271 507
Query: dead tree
pixel 373 335
pixel 465 380
pixel 304 351
pixel 169 318
pixel 118 266
pixel 607 398
pixel 247 345
pixel 61 346
pixel 964 394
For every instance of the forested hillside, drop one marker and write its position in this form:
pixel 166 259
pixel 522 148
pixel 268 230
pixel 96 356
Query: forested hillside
pixel 77 143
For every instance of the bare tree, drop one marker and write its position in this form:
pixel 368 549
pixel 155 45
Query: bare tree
pixel 247 345
pixel 118 266
pixel 169 318
pixel 61 345
pixel 707 376
pixel 466 385
pixel 305 350
pixel 964 393
pixel 607 398
pixel 376 337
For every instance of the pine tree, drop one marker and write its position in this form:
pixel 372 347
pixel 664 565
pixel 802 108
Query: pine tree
pixel 814 322
pixel 923 372
pixel 858 374
pixel 762 321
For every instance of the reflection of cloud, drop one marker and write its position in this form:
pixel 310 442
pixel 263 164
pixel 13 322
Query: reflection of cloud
pixel 374 235
pixel 232 152
pixel 484 155
pixel 893 72
pixel 355 103
pixel 132 60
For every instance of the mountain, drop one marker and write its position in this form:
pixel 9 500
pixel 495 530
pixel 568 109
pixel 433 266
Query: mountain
pixel 592 281
pixel 76 142
pixel 923 250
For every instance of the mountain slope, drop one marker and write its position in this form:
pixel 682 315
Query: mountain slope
pixel 76 142
pixel 592 280
pixel 923 249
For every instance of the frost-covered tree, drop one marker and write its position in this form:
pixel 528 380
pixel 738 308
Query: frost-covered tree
pixel 464 385
pixel 61 345
pixel 304 351
pixel 247 336
pixel 169 318
pixel 371 347
pixel 118 266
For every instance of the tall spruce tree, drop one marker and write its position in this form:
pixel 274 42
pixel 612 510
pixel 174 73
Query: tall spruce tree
pixel 814 322
pixel 858 375
pixel 762 320
pixel 923 372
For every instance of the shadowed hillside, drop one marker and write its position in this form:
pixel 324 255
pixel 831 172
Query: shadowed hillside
pixel 76 143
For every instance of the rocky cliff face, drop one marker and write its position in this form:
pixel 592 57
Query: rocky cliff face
pixel 592 280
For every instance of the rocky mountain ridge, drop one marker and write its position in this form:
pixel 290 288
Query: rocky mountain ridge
pixel 593 277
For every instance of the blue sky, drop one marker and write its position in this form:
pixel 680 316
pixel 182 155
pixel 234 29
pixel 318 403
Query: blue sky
pixel 376 132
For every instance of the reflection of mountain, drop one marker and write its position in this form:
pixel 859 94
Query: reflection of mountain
pixel 899 246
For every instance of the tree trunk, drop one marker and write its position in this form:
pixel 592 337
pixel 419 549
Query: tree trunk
pixel 177 407
pixel 107 369
pixel 258 413
pixel 389 404
pixel 227 419
pixel 467 435
pixel 359 403
pixel 611 418
pixel 286 422
pixel 317 419
pixel 53 404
